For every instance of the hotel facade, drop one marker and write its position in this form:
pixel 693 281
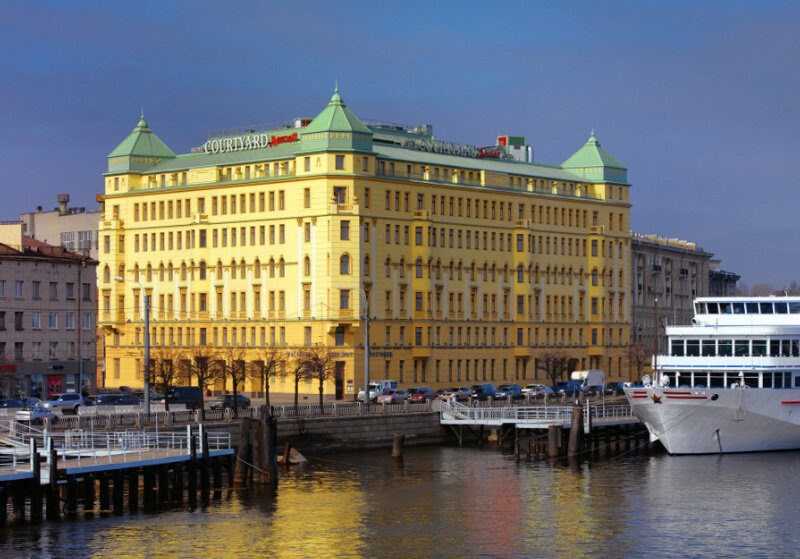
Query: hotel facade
pixel 472 262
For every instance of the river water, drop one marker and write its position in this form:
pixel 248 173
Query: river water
pixel 447 502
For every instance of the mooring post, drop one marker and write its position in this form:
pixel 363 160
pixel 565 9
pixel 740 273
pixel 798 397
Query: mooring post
pixel 192 472
pixel 553 440
pixel 204 466
pixel 397 445
pixel 36 488
pixel 133 490
pixel 52 512
pixel 573 447
pixel 244 454
pixel 105 496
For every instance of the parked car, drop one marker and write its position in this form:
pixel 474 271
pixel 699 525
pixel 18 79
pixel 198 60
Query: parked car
pixel 190 396
pixel 11 403
pixel 226 402
pixel 124 399
pixel 569 387
pixel 506 390
pixel 68 401
pixel 537 390
pixel 36 414
pixel 30 402
pixel 423 394
pixel 392 396
pixel 614 388
pixel 462 393
pixel 483 391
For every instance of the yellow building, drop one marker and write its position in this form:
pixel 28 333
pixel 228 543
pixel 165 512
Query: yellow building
pixel 474 262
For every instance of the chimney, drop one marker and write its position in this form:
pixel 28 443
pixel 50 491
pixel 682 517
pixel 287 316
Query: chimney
pixel 63 200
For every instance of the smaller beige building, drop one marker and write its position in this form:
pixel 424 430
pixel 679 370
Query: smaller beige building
pixel 667 275
pixel 48 317
pixel 74 228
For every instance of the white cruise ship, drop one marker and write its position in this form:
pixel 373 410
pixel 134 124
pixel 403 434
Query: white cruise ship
pixel 730 381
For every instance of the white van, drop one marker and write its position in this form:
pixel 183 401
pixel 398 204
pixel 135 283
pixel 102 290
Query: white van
pixel 376 389
pixel 593 380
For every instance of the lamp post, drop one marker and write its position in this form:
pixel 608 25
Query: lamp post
pixel 366 346
pixel 146 345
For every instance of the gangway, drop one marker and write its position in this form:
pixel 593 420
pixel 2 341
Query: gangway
pixel 534 417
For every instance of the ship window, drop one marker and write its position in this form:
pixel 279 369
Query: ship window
pixel 759 348
pixel 692 348
pixel 794 308
pixel 766 308
pixel 708 348
pixel 795 348
pixel 742 348
pixel 677 347
pixel 712 308
pixel 778 380
pixel 751 380
pixel 699 308
pixel 752 308
pixel 716 380
pixel 725 348
pixel 797 381
pixel 766 380
pixel 725 308
pixel 780 308
pixel 774 348
pixel 738 308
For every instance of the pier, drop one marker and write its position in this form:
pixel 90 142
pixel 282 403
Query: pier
pixel 55 474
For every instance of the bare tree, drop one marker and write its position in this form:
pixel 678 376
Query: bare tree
pixel 554 364
pixel 299 372
pixel 265 367
pixel 638 357
pixel 761 289
pixel 231 365
pixel 199 363
pixel 165 368
pixel 319 366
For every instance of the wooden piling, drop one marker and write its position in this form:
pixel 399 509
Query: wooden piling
pixel 36 483
pixel 133 490
pixel 105 495
pixel 553 441
pixel 192 472
pixel 119 492
pixel 575 431
pixel 88 492
pixel 397 445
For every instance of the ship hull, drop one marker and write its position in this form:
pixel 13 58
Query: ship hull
pixel 719 420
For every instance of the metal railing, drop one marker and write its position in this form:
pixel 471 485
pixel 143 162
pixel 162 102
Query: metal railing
pixel 82 446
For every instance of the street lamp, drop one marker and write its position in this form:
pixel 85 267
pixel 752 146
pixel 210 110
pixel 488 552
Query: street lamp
pixel 146 345
pixel 366 345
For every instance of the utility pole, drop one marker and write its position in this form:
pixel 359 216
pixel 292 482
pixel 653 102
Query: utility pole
pixel 147 353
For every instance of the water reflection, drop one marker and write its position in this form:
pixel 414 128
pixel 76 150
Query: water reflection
pixel 450 502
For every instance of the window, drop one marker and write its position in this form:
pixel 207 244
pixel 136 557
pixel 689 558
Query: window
pixel 18 318
pixel 344 230
pixel 36 320
pixel 340 194
pixel 52 321
pixel 344 299
pixel 18 288
pixel 53 291
pixel 344 265
pixel 307 194
pixel 340 162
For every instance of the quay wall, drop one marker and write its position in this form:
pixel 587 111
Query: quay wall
pixel 328 435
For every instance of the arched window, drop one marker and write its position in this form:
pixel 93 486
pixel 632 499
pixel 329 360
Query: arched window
pixel 161 272
pixel 520 274
pixel 136 273
pixel 233 269
pixel 219 269
pixel 202 269
pixel 272 267
pixel 418 267
pixel 307 266
pixel 106 274
pixel 366 265
pixel 257 268
pixel 183 271
pixel 242 269
pixel 282 268
pixel 344 265
pixel 388 265
pixel 121 270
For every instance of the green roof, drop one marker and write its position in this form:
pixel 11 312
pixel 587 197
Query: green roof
pixel 594 163
pixel 139 151
pixel 336 128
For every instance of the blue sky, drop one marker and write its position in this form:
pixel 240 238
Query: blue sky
pixel 698 99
